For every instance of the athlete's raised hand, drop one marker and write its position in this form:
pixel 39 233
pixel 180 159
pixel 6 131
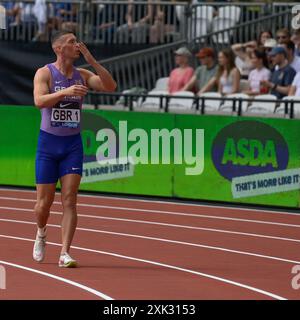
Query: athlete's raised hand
pixel 86 53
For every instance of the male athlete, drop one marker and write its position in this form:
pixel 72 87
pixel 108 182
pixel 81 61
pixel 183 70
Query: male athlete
pixel 59 89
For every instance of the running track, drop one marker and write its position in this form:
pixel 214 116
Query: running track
pixel 142 249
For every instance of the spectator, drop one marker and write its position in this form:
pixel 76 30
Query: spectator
pixel 136 25
pixel 203 73
pixel 293 60
pixel 228 75
pixel 281 77
pixel 260 73
pixel 10 11
pixel 164 22
pixel 180 76
pixel 283 35
pixel 296 39
pixel 23 13
pixel 40 13
pixel 268 46
pixel 263 37
pixel 295 87
pixel 243 57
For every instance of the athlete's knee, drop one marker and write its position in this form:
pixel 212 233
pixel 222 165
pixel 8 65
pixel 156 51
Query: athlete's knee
pixel 69 200
pixel 43 205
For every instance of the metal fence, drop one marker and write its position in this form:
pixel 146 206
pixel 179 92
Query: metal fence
pixel 210 17
pixel 197 104
pixel 144 67
pixel 244 32
pixel 23 24
pixel 159 22
pixel 150 23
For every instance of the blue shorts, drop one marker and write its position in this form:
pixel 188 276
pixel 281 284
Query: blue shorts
pixel 57 156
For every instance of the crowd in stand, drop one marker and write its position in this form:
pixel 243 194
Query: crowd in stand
pixel 139 23
pixel 266 65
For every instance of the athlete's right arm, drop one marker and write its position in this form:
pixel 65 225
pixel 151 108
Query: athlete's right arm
pixel 44 99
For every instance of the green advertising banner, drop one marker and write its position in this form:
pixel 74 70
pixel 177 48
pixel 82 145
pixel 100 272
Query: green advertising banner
pixel 221 158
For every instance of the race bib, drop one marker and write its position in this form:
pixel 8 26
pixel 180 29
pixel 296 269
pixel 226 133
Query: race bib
pixel 66 114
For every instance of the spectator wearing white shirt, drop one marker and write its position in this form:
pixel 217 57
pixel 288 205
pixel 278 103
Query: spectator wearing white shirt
pixel 260 73
pixel 293 60
pixel 295 87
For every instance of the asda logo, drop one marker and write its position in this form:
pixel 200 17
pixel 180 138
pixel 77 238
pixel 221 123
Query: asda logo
pixel 249 147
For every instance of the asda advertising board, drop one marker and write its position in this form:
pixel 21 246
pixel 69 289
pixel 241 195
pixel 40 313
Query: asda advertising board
pixel 223 158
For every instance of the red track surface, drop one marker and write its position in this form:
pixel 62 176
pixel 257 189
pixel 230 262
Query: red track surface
pixel 135 249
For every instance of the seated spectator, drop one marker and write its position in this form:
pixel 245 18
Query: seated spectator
pixel 283 35
pixel 228 75
pixel 23 13
pixel 40 13
pixel 137 26
pixel 243 57
pixel 268 46
pixel 180 76
pixel 263 37
pixel 295 87
pixel 162 25
pixel 70 18
pixel 204 73
pixel 259 74
pixel 281 77
pixel 293 60
pixel 10 11
pixel 296 39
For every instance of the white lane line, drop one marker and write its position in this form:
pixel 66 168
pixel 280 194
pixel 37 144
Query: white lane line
pixel 87 216
pixel 166 202
pixel 164 240
pixel 165 213
pixel 238 284
pixel 50 275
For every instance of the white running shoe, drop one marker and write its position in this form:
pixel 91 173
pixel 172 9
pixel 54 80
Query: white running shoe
pixel 65 261
pixel 39 248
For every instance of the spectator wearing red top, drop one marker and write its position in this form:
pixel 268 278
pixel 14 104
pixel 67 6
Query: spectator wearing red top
pixel 181 75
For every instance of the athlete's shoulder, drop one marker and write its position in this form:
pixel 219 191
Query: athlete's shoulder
pixel 43 73
pixel 85 72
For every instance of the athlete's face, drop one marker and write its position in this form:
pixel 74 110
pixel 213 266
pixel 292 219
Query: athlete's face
pixel 69 47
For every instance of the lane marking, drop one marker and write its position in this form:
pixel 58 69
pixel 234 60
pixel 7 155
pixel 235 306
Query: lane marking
pixel 163 240
pixel 50 275
pixel 166 202
pixel 238 284
pixel 165 213
pixel 166 225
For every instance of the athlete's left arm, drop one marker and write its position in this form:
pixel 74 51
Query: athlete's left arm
pixel 102 81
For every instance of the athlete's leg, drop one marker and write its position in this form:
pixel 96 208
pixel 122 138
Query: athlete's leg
pixel 69 188
pixel 45 198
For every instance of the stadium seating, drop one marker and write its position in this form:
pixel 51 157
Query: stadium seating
pixel 178 103
pixel 263 107
pixel 211 105
pixel 154 102
pixel 161 84
pixel 227 106
pixel 281 108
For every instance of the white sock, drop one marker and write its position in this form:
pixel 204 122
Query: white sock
pixel 42 232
